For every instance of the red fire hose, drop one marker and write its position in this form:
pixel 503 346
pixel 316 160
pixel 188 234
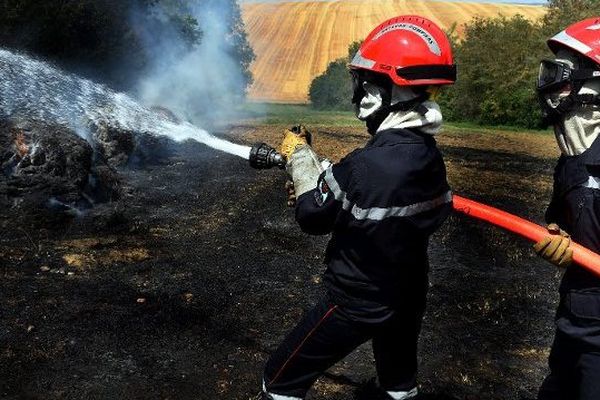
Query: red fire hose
pixel 520 226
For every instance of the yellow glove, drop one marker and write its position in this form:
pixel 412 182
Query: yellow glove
pixel 294 137
pixel 555 248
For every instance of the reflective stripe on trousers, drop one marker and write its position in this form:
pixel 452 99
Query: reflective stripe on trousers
pixel 592 183
pixel 274 396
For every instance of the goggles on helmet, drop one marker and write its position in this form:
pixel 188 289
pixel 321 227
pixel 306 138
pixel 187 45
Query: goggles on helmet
pixel 554 75
pixel 558 87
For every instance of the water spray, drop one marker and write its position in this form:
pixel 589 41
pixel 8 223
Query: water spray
pixel 31 89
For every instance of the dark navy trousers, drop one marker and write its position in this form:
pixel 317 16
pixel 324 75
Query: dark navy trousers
pixel 575 356
pixel 575 372
pixel 327 334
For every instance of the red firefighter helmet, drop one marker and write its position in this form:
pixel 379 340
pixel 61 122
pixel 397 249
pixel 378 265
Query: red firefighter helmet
pixel 557 76
pixel 411 50
pixel 582 37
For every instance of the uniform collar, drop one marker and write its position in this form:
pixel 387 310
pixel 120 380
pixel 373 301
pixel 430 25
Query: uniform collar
pixel 398 136
pixel 426 117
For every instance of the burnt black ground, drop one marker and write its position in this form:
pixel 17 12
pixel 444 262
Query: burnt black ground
pixel 227 273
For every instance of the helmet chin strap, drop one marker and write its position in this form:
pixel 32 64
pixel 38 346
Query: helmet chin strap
pixel 553 115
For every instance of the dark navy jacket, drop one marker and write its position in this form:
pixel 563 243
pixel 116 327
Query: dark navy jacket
pixel 575 207
pixel 381 203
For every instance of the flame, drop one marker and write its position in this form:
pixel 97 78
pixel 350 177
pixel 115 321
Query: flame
pixel 20 145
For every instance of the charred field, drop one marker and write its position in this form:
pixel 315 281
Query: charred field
pixel 199 271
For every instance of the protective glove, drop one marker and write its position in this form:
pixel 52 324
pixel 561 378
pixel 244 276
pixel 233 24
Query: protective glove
pixel 293 138
pixel 555 248
pixel 291 193
pixel 304 167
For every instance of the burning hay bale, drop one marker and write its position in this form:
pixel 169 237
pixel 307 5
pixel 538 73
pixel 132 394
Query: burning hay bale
pixel 69 161
pixel 121 147
pixel 21 147
pixel 114 145
pixel 48 167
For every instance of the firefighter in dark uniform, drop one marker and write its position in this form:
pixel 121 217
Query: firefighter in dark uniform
pixel 569 91
pixel 381 203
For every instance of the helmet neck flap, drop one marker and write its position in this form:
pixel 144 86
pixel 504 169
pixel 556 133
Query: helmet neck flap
pixel 569 92
pixel 375 97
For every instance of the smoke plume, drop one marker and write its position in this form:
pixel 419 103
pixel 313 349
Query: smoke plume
pixel 203 81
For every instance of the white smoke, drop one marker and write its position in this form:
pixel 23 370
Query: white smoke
pixel 203 83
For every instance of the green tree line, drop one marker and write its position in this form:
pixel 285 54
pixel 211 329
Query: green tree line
pixel 333 89
pixel 498 60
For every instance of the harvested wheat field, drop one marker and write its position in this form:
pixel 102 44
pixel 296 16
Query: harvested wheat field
pixel 295 41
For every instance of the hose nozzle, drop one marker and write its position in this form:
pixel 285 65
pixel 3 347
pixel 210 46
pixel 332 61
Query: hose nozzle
pixel 263 156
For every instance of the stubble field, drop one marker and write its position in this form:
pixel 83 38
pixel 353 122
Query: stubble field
pixel 295 41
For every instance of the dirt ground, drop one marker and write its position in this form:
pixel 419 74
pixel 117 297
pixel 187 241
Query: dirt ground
pixel 205 271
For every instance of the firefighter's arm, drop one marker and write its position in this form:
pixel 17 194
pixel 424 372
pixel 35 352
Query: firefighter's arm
pixel 555 247
pixel 555 214
pixel 304 168
pixel 317 209
pixel 303 165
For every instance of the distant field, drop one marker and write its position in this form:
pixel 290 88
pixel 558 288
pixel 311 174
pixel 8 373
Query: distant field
pixel 294 42
pixel 265 114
